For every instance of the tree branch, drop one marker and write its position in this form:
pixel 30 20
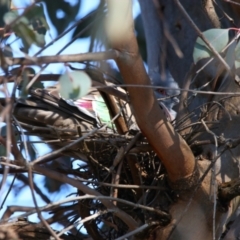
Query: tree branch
pixel 228 191
pixel 81 57
pixel 160 133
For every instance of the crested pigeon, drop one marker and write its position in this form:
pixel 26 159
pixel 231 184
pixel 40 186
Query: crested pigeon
pixel 57 121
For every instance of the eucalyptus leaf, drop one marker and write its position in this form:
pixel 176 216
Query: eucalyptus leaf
pixel 237 52
pixel 230 57
pixel 4 8
pixel 9 17
pixel 237 64
pixel 4 132
pixel 3 150
pixel 74 85
pixel 218 38
pixel 26 34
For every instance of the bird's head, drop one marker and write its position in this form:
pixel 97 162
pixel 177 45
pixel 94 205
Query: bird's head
pixel 167 92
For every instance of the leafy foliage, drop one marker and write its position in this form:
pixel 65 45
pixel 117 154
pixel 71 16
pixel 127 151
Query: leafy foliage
pixel 218 38
pixel 74 85
pixel 4 8
pixel 23 28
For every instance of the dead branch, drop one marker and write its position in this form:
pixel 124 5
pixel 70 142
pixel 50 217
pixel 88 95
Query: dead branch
pixel 29 231
pixel 228 191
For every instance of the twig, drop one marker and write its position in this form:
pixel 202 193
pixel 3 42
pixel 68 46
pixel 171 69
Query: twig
pixel 202 36
pixel 9 189
pixel 116 180
pixel 98 56
pixel 86 219
pixel 138 230
pixel 97 197
pixel 60 51
pixel 132 224
pixel 30 177
pixel 213 180
pixel 166 31
pixel 236 3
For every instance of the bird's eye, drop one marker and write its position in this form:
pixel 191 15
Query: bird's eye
pixel 161 91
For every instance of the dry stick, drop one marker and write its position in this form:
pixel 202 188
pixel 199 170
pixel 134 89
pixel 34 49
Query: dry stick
pixel 6 143
pixel 59 151
pixel 87 196
pixel 181 89
pixel 9 164
pixel 236 3
pixel 98 56
pixel 122 152
pixel 36 206
pixel 166 31
pixel 86 219
pixel 123 185
pixel 213 180
pixel 17 154
pixel 210 11
pixel 211 59
pixel 42 68
pixel 138 230
pixel 182 9
pixel 13 209
pixel 116 179
pixel 116 161
pixel 125 217
pixel 55 77
pixel 225 14
pixel 63 34
pixel 129 221
pixel 56 152
pixel 135 170
pixel 9 189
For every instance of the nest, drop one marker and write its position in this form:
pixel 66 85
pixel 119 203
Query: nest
pixel 120 166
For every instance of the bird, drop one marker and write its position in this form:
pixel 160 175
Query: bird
pixel 57 121
pixel 166 91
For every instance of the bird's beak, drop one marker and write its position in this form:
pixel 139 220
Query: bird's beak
pixel 170 114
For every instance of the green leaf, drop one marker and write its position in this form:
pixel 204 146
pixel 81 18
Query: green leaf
pixel 74 85
pixel 237 56
pixel 237 52
pixel 4 8
pixel 230 58
pixel 101 110
pixel 24 30
pixel 9 17
pixel 217 37
pixel 37 19
pixel 40 39
pixel 3 150
pixel 4 132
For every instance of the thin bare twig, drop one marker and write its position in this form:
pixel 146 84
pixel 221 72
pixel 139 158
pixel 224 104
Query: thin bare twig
pixel 213 179
pixel 198 31
pixel 31 186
